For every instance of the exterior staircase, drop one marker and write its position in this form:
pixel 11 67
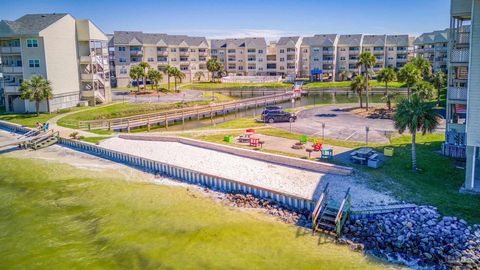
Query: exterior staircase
pixel 329 216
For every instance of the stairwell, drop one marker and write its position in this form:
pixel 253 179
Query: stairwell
pixel 329 216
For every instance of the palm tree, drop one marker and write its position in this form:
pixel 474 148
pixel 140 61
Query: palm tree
pixel 424 66
pixel 366 60
pixel 344 75
pixel 177 75
pixel 415 115
pixel 358 85
pixel 137 72
pixel 214 66
pixel 387 75
pixel 36 89
pixel 168 71
pixel 439 81
pixel 199 75
pixel 424 90
pixel 155 77
pixel 410 75
pixel 145 67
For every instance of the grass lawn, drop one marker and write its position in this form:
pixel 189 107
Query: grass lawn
pixel 122 110
pixel 73 219
pixel 162 86
pixel 210 85
pixel 237 123
pixel 346 84
pixel 94 139
pixel 30 119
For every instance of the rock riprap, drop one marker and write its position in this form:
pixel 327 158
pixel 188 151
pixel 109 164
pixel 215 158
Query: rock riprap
pixel 418 236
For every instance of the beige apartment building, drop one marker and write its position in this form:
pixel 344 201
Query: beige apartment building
pixel 433 46
pixel 463 96
pixel 287 51
pixel 241 56
pixel 324 57
pixel 188 54
pixel 70 53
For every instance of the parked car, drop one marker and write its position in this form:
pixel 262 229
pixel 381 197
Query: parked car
pixel 278 116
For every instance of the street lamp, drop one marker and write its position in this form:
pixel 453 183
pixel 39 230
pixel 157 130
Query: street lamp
pixel 323 131
pixel 367 129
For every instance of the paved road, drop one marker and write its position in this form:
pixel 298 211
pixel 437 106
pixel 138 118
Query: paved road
pixel 340 124
pixel 184 95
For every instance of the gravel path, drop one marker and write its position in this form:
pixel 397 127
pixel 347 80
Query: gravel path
pixel 281 178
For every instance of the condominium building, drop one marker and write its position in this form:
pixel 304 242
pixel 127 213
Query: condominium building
pixel 188 54
pixel 241 56
pixel 287 52
pixel 324 57
pixel 70 53
pixel 433 46
pixel 463 95
pixel 317 58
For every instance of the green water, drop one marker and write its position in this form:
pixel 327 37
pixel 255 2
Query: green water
pixel 54 216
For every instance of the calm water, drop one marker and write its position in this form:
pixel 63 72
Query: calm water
pixel 311 99
pixel 59 217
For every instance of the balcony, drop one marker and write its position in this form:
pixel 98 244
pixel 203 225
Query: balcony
pixel 458 128
pixel 457 93
pixel 202 53
pixel 462 38
pixel 402 59
pixel 135 52
pixel 10 49
pixel 460 55
pixel 11 88
pixel 184 53
pixel 327 61
pixel 7 69
pixel 162 53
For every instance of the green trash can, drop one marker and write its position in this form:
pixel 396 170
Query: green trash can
pixel 228 138
pixel 304 139
pixel 388 151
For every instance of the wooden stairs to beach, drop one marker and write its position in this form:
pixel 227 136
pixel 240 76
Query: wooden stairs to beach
pixel 328 216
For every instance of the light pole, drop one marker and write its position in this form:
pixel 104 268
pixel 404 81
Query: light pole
pixel 367 129
pixel 323 131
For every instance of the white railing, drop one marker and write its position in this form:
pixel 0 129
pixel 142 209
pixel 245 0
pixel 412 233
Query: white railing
pixel 460 55
pixel 251 79
pixel 10 49
pixel 6 69
pixel 457 93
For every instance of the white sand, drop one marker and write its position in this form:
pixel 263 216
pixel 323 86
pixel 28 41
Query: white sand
pixel 281 178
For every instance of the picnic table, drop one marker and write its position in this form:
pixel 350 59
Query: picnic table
pixel 364 152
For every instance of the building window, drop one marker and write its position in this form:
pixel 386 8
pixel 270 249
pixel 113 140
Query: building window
pixel 342 58
pixel 282 50
pixel 122 60
pixel 231 51
pixel 150 59
pixel 121 49
pixel 316 49
pixel 282 68
pixel 192 50
pixel 342 49
pixel 214 51
pixel 282 59
pixel 123 71
pixel 251 50
pixel 173 49
pixel 260 51
pixel 34 63
pixel 32 43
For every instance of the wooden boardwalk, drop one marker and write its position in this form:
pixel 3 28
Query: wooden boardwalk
pixel 197 112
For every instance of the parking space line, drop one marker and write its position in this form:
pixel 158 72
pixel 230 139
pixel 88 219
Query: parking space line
pixel 351 135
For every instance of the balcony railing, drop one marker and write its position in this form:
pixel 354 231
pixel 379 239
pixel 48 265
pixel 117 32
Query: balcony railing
pixel 11 88
pixel 460 55
pixel 457 93
pixel 136 52
pixel 10 49
pixel 462 38
pixel 7 69
pixel 162 53
pixel 202 53
pixel 184 53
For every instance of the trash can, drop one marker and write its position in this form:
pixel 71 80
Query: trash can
pixel 228 138
pixel 388 151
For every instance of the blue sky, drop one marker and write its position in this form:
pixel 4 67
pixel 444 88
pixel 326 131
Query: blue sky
pixel 225 18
